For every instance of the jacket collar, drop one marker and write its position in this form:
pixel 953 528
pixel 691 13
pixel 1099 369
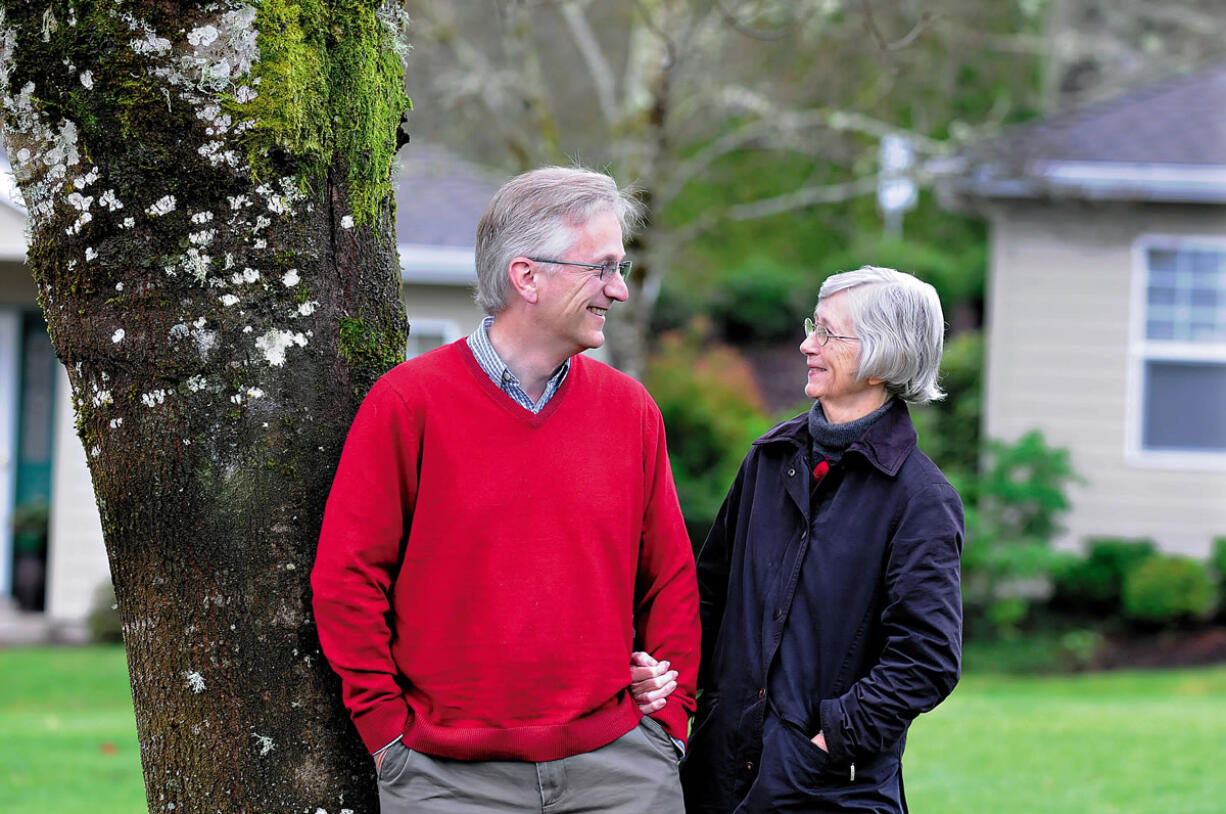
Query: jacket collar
pixel 886 444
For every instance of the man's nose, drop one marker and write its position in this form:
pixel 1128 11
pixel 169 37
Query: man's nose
pixel 616 288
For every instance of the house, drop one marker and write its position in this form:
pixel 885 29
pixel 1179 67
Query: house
pixel 42 463
pixel 1106 312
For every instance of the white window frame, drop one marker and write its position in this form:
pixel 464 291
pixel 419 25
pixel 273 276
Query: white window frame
pixel 449 329
pixel 1142 349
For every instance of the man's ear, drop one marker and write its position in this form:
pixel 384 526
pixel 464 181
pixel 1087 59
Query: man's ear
pixel 523 275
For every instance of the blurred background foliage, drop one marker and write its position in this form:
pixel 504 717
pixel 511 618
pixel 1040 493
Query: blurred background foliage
pixel 753 131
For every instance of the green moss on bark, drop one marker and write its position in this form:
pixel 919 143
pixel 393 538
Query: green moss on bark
pixel 368 350
pixel 330 83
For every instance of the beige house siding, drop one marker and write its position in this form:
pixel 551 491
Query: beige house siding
pixel 76 558
pixel 443 303
pixel 1059 327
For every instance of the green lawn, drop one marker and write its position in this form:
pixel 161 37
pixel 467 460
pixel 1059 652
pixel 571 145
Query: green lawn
pixel 1110 743
pixel 67 733
pixel 1120 743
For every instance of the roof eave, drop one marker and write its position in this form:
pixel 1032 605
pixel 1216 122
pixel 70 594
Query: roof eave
pixel 1092 181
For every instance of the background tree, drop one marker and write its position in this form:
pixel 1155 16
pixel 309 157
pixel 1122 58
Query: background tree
pixel 731 117
pixel 209 191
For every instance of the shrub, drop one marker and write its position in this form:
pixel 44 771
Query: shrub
pixel 1217 560
pixel 1009 528
pixel 712 411
pixel 103 622
pixel 1166 589
pixel 949 429
pixel 1096 583
pixel 760 300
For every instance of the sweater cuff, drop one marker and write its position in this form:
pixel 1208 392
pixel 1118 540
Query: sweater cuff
pixel 380 726
pixel 674 721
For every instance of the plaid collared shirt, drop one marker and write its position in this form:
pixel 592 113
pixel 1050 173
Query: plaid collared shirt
pixel 496 369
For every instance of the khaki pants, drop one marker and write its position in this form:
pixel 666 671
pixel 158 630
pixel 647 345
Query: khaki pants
pixel 634 774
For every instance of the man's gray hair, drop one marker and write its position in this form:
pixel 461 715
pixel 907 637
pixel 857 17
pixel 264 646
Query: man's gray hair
pixel 539 214
pixel 901 328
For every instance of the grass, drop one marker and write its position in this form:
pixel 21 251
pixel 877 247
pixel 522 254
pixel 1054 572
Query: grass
pixel 1112 743
pixel 1109 743
pixel 67 733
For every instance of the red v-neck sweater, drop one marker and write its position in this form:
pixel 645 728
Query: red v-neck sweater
pixel 484 573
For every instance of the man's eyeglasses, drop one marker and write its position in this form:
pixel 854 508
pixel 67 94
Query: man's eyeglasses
pixel 823 335
pixel 606 268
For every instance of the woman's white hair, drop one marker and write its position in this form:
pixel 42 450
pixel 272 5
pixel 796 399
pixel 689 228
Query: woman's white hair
pixel 901 328
pixel 540 213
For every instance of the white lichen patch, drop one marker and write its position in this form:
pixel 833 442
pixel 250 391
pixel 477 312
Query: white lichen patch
pixel 307 308
pixel 87 79
pixel 249 394
pixel 228 300
pixel 116 423
pixel 203 237
pixel 347 222
pixel 202 217
pixel 275 343
pixel 290 278
pixel 154 398
pixel 101 398
pixel 163 206
pixel 195 682
pixel 203 36
pixel 82 181
pixel 90 254
pixel 45 150
pixel 179 331
pixel 264 742
pixel 196 383
pixel 118 335
pixel 111 202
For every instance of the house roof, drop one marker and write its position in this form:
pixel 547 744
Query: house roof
pixel 439 199
pixel 1165 142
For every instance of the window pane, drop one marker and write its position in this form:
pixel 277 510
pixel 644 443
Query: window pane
pixel 1161 296
pixel 1184 292
pixel 1185 406
pixel 1161 260
pixel 1204 296
pixel 1204 263
pixel 1156 329
pixel 422 341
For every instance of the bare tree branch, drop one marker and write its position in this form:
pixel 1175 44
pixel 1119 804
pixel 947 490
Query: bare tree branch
pixel 803 198
pixel 870 22
pixel 593 56
pixel 730 18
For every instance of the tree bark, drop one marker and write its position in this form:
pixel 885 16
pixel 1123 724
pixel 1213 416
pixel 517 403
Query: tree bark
pixel 209 193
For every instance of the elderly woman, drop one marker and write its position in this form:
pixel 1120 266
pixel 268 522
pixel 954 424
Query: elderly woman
pixel 831 607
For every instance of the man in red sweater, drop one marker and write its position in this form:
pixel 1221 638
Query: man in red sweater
pixel 503 542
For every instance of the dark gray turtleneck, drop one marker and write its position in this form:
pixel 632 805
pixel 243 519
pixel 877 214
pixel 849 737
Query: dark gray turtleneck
pixel 830 441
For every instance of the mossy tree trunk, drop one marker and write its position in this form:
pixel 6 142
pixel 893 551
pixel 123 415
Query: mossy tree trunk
pixel 209 196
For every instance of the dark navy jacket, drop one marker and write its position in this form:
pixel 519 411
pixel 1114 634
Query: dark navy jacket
pixel 876 544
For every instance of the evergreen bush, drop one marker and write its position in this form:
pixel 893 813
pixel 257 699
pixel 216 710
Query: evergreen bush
pixel 1096 583
pixel 1164 589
